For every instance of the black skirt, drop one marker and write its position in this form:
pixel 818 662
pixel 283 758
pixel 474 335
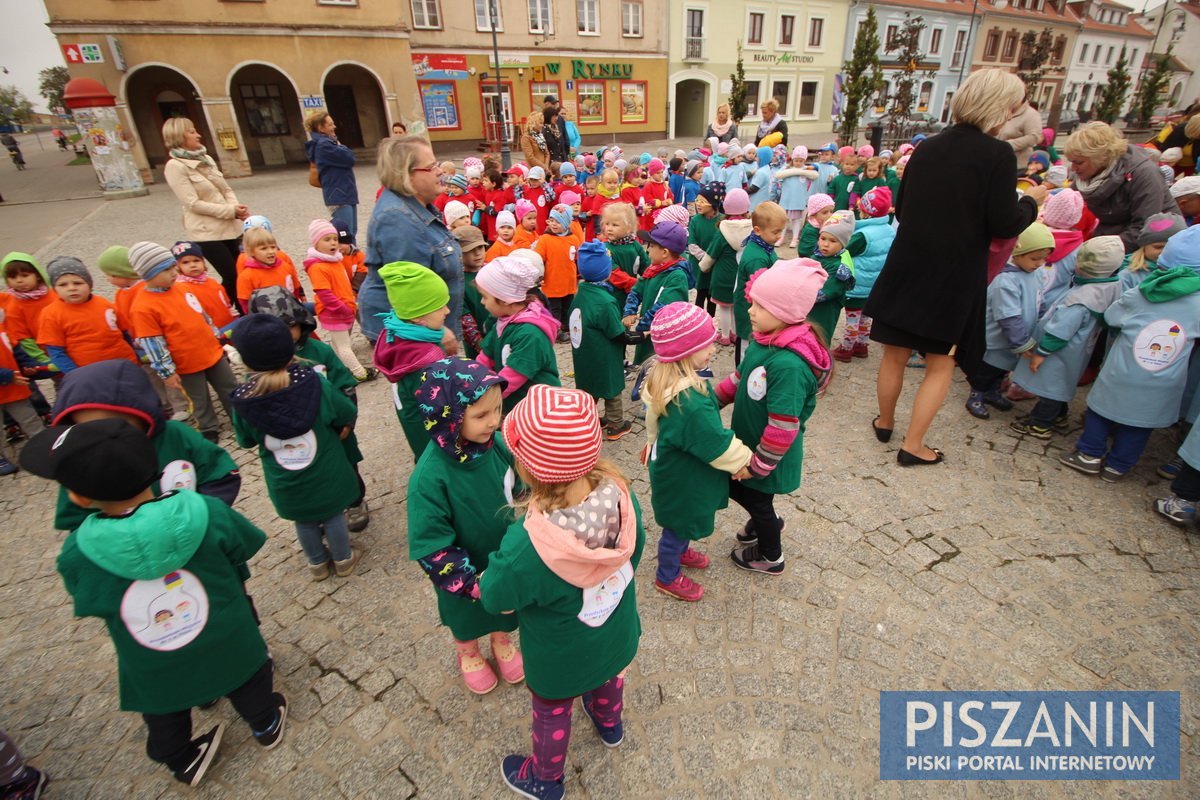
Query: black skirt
pixel 886 334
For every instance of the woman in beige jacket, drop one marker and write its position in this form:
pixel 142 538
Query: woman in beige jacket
pixel 534 144
pixel 212 216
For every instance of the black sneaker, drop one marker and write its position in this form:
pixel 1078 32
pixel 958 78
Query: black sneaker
pixel 206 751
pixel 749 558
pixel 610 736
pixel 614 432
pixel 28 787
pixel 273 735
pixel 747 535
pixel 1027 428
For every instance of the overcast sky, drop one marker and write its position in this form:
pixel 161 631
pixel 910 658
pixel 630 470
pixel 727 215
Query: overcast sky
pixel 26 46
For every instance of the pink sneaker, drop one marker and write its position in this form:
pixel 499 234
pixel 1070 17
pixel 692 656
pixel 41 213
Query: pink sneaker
pixel 694 559
pixel 476 671
pixel 508 658
pixel 682 588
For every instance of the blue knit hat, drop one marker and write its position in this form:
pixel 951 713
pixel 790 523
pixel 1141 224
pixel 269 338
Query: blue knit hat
pixel 1182 250
pixel 595 264
pixel 764 156
pixel 457 180
pixel 562 215
pixel 566 168
pixel 644 159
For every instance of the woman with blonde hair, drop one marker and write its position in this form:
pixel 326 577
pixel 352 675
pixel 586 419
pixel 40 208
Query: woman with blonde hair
pixel 930 296
pixel 722 128
pixel 212 215
pixel 533 142
pixel 1120 182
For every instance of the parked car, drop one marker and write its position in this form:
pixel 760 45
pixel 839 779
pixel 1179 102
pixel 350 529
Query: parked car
pixel 1068 120
pixel 902 130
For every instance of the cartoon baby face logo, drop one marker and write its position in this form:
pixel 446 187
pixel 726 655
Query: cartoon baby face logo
pixel 293 454
pixel 193 302
pixel 178 474
pixel 1159 345
pixel 504 353
pixel 576 327
pixel 756 384
pixel 601 600
pixel 165 613
pixel 110 317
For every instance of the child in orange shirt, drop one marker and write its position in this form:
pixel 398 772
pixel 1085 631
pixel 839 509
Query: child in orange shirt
pixel 574 202
pixel 265 268
pixel 526 215
pixel 192 271
pixel 506 229
pixel 558 248
pixel 259 221
pixel 30 290
pixel 14 393
pixel 336 304
pixel 81 328
pixel 177 336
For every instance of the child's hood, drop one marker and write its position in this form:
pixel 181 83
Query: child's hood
pixel 735 232
pixel 116 385
pixel 286 413
pixel 17 255
pixel 1169 284
pixel 563 550
pixel 400 357
pixel 1065 242
pixel 160 536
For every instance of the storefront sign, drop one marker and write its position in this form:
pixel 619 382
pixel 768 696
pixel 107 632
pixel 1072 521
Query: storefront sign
pixel 439 67
pixel 511 61
pixel 781 58
pixel 441 109
pixel 312 101
pixel 595 72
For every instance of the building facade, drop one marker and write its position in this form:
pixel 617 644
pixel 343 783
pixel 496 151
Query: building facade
pixel 947 41
pixel 791 51
pixel 1176 25
pixel 1005 22
pixel 1107 28
pixel 245 73
pixel 605 60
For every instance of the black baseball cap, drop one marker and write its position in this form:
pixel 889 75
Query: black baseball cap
pixel 345 237
pixel 107 459
pixel 550 99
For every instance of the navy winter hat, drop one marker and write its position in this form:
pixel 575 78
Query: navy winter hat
pixel 714 193
pixel 264 342
pixel 595 264
pixel 181 249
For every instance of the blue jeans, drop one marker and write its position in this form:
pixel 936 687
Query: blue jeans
pixel 335 533
pixel 1128 442
pixel 345 218
pixel 671 548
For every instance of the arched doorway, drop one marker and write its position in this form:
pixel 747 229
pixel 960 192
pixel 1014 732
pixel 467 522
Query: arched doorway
pixel 268 112
pixel 156 93
pixel 691 109
pixel 354 99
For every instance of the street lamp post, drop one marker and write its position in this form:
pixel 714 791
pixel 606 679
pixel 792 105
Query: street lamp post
pixel 501 128
pixel 967 45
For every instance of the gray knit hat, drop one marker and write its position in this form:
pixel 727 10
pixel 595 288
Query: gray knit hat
pixel 149 259
pixel 1159 228
pixel 67 265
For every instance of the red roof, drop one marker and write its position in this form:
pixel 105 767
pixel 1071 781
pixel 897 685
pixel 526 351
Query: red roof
pixel 945 6
pixel 1130 28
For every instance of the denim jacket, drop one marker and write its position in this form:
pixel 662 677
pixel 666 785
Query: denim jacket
pixel 401 229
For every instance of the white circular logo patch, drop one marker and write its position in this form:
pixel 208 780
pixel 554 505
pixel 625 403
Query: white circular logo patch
pixel 319 369
pixel 110 316
pixel 193 302
pixel 293 454
pixel 575 325
pixel 167 613
pixel 1159 345
pixel 290 284
pixel 504 354
pixel 756 384
pixel 179 474
pixel 601 600
pixel 541 201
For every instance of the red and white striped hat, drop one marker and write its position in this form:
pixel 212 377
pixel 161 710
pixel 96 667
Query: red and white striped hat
pixel 554 433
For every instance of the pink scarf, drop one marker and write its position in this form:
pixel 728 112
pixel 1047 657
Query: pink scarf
pixel 314 255
pixel 534 314
pixel 181 278
pixel 36 294
pixel 803 341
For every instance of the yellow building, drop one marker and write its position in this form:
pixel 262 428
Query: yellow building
pixel 605 60
pixel 245 72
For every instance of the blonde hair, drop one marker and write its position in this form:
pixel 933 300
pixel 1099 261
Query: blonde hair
pixel 621 212
pixel 987 99
pixel 727 109
pixel 256 237
pixel 876 162
pixel 766 213
pixel 553 496
pixel 315 120
pixel 771 104
pixel 448 168
pixel 174 129
pixel 604 173
pixel 1192 128
pixel 395 161
pixel 1098 142
pixel 669 379
pixel 1136 261
pixel 264 383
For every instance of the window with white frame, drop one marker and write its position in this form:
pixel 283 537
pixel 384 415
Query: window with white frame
pixel 807 104
pixel 693 44
pixel 935 42
pixel 781 91
pixel 337 2
pixel 753 90
pixel 816 32
pixel 426 14
pixel 587 16
pixel 540 17
pixel 787 29
pixel 483 16
pixel 1108 59
pixel 960 48
pixel 890 35
pixel 631 18
pixel 1083 52
pixel 754 28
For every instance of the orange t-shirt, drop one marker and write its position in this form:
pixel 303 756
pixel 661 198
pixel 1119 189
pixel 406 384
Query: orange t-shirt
pixel 523 238
pixel 177 316
pixel 212 299
pixel 279 256
pixel 499 249
pixel 331 275
pixel 23 315
pixel 11 392
pixel 355 263
pixel 559 253
pixel 123 300
pixel 282 273
pixel 88 331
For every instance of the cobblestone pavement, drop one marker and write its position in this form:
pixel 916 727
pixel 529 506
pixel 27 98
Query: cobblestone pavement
pixel 999 570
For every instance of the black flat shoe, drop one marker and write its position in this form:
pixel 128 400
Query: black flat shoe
pixel 882 434
pixel 907 459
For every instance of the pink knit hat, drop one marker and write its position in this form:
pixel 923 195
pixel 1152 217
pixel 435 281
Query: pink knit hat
pixel 737 202
pixel 845 152
pixel 676 213
pixel 818 203
pixel 680 329
pixel 472 161
pixel 1063 210
pixel 523 208
pixel 554 433
pixel 800 152
pixel 318 228
pixel 866 151
pixel 905 149
pixel 569 198
pixel 903 160
pixel 877 202
pixel 788 289
pixel 508 279
pixel 655 165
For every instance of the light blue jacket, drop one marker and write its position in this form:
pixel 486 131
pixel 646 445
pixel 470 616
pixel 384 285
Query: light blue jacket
pixel 1189 451
pixel 879 234
pixel 762 179
pixel 1013 294
pixel 1058 376
pixel 401 229
pixel 1056 281
pixel 826 173
pixel 734 175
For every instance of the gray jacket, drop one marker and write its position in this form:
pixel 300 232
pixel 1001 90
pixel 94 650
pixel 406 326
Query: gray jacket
pixel 1133 191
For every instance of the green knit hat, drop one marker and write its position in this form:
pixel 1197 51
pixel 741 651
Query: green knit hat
pixel 1036 237
pixel 413 290
pixel 115 262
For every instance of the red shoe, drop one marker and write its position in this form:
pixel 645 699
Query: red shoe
pixel 694 559
pixel 843 353
pixel 682 588
pixel 860 350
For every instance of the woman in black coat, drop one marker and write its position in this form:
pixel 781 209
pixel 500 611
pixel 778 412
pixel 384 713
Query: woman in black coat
pixel 958 194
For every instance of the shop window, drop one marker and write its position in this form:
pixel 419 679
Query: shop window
pixel 754 28
pixel 631 18
pixel 807 106
pixel 753 91
pixel 587 15
pixel 540 17
pixel 440 102
pixel 265 113
pixel 781 91
pixel 880 102
pixel 816 32
pixel 426 14
pixel 590 96
pixel 539 90
pixel 633 101
pixel 483 16
pixel 787 29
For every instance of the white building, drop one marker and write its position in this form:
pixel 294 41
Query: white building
pixel 1107 28
pixel 1178 23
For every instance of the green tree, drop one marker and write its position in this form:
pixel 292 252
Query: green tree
pixel 1036 49
pixel 908 53
pixel 1154 87
pixel 862 76
pixel 737 89
pixel 14 106
pixel 1112 94
pixel 51 82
